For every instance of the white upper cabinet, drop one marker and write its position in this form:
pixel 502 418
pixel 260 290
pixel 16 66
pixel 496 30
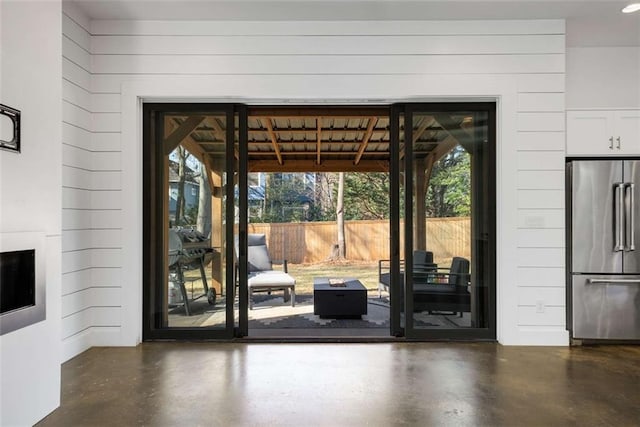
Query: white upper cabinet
pixel 603 133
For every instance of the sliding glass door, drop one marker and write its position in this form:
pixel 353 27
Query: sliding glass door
pixel 446 202
pixel 189 169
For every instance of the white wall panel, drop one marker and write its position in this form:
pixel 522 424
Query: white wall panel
pixel 342 28
pixel 74 73
pixel 542 141
pixel 541 180
pixel 549 296
pixel 541 238
pixel 541 199
pixel 328 64
pixel 552 316
pixel 106 141
pixel 261 59
pixel 75 53
pixel 76 281
pixel 76 115
pixel 541 218
pixel 261 45
pixel 541 121
pixel 537 277
pixel 75 94
pixel 75 136
pixel 541 160
pixel 74 219
pixel 541 102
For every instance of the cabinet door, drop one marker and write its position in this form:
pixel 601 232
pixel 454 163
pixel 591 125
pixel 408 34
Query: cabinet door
pixel 590 133
pixel 627 128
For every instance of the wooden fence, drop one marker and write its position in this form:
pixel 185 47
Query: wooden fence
pixel 310 242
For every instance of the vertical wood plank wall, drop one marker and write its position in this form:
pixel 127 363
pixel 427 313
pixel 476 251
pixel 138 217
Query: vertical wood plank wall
pixel 100 55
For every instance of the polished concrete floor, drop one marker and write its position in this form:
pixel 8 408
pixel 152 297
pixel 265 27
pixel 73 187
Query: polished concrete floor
pixel 379 384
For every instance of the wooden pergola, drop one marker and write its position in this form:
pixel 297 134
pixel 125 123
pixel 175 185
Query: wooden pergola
pixel 312 139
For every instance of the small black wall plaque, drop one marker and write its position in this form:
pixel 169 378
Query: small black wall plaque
pixel 14 115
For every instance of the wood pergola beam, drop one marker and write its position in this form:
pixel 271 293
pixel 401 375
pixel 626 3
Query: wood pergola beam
pixel 318 139
pixel 274 140
pixel 365 140
pixel 315 130
pixel 327 165
pixel 356 112
pixel 324 153
pixel 426 124
pixel 175 138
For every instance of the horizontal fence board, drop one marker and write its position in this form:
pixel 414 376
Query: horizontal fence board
pixel 543 141
pixel 328 64
pixel 541 218
pixel 541 276
pixel 549 296
pixel 329 45
pixel 340 28
pixel 311 242
pixel 541 180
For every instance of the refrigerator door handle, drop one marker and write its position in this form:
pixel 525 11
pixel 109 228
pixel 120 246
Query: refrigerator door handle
pixel 629 201
pixel 618 218
pixel 612 281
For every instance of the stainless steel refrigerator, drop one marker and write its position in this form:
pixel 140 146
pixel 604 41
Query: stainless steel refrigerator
pixel 604 261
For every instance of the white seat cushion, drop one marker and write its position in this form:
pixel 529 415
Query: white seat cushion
pixel 270 278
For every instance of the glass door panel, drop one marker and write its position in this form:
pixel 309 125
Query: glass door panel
pixel 448 182
pixel 189 208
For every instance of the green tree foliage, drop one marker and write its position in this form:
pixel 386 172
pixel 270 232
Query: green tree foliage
pixel 450 186
pixel 366 196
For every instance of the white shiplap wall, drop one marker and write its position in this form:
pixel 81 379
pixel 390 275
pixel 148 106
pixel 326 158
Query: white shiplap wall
pixel 336 61
pixel 91 293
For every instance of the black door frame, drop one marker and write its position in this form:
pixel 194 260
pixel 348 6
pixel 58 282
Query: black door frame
pixel 153 244
pixel 488 235
pixel 153 247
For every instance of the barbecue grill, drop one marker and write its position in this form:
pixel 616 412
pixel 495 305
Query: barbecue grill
pixel 188 250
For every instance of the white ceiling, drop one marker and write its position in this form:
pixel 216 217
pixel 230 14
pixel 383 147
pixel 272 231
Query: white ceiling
pixel 589 23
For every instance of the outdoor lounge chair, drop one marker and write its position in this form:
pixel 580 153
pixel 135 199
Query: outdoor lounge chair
pixel 437 289
pixel 262 276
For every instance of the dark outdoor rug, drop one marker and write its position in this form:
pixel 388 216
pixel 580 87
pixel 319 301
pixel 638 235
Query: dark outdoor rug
pixel 270 312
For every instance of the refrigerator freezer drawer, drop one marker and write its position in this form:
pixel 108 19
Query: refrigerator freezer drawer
pixel 606 307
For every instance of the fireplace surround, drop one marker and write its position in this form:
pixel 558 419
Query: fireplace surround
pixel 22 280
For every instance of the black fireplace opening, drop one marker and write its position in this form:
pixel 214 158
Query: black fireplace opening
pixel 17 280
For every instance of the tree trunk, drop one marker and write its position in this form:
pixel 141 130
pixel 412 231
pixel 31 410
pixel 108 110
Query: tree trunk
pixel 203 223
pixel 340 217
pixel 182 160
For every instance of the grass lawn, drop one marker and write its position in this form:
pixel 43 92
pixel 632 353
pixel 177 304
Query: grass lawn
pixel 366 272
